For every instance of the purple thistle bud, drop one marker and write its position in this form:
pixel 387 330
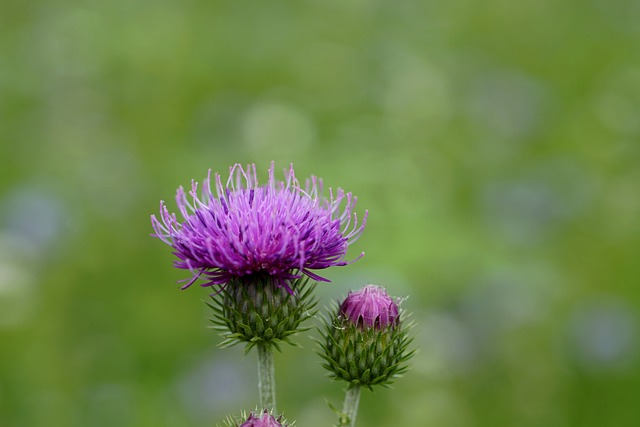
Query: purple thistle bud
pixel 365 341
pixel 280 229
pixel 370 307
pixel 265 420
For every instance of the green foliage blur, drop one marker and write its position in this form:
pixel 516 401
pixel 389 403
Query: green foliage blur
pixel 495 145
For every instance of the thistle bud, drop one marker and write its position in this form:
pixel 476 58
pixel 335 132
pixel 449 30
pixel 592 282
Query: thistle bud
pixel 365 342
pixel 370 307
pixel 261 310
pixel 265 419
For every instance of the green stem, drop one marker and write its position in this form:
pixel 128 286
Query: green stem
pixel 350 407
pixel 266 378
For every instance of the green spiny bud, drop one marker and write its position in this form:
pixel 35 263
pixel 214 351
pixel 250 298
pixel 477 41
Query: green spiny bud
pixel 365 342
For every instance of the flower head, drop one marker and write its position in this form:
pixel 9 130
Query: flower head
pixel 265 420
pixel 279 229
pixel 370 307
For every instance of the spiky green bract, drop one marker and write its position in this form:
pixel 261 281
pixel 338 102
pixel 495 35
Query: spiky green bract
pixel 364 356
pixel 258 309
pixel 244 417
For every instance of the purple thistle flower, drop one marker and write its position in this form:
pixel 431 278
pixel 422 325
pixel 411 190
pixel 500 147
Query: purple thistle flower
pixel 370 307
pixel 279 229
pixel 265 420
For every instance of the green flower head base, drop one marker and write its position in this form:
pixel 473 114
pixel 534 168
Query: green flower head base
pixel 365 342
pixel 261 312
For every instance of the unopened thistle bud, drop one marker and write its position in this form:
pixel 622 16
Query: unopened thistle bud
pixel 365 341
pixel 265 419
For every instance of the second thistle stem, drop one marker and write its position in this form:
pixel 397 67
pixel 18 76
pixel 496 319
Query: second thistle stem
pixel 266 378
pixel 350 407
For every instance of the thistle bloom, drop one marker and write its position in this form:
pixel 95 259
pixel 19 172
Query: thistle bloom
pixel 280 229
pixel 370 307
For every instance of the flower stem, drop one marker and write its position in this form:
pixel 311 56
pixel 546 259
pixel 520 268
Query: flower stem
pixel 350 407
pixel 266 378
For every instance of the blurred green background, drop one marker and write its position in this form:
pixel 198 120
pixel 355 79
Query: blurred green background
pixel 495 145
